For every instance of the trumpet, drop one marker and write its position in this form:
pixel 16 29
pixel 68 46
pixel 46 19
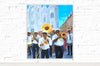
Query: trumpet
pixel 63 34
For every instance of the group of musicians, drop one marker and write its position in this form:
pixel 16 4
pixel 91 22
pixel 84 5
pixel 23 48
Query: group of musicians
pixel 41 46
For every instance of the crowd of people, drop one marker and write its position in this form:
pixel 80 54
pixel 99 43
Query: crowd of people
pixel 40 44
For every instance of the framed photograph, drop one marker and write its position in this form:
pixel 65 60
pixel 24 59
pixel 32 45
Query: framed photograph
pixel 49 31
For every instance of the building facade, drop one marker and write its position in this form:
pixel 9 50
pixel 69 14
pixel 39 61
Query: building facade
pixel 38 15
pixel 68 23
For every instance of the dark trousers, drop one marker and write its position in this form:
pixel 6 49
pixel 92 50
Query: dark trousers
pixel 29 52
pixel 59 51
pixel 44 53
pixel 51 51
pixel 35 46
pixel 69 49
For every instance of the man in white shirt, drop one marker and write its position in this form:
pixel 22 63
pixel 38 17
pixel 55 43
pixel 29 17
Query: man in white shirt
pixel 35 41
pixel 29 42
pixel 44 44
pixel 58 43
pixel 69 42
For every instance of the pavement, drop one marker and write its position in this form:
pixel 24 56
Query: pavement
pixel 65 56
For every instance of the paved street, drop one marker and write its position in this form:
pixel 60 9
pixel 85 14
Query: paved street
pixel 65 56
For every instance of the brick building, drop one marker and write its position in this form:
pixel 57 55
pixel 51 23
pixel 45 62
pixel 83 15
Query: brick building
pixel 68 23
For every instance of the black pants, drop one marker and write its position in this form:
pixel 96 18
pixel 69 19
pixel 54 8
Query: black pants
pixel 70 49
pixel 44 53
pixel 51 51
pixel 35 46
pixel 59 51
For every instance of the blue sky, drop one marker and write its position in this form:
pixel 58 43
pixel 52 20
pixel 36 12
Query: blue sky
pixel 64 12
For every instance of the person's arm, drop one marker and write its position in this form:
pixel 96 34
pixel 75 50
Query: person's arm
pixel 36 39
pixel 64 39
pixel 47 40
pixel 57 38
pixel 40 43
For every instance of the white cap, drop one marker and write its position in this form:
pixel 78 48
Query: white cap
pixel 57 29
pixel 68 29
pixel 45 32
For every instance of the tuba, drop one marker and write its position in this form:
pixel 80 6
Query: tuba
pixel 63 34
pixel 46 27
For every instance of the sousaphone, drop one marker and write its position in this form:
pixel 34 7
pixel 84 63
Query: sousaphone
pixel 47 27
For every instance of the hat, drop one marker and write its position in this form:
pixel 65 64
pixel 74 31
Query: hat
pixel 68 30
pixel 58 29
pixel 44 32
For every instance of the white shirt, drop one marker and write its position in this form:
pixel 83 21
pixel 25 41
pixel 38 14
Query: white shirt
pixel 50 41
pixel 69 38
pixel 59 42
pixel 34 41
pixel 45 46
pixel 29 40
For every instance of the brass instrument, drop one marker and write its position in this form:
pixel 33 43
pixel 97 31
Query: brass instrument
pixel 29 45
pixel 33 38
pixel 47 27
pixel 45 42
pixel 31 32
pixel 63 34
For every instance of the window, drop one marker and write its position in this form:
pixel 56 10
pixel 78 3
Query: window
pixel 41 5
pixel 38 10
pixel 47 6
pixel 71 23
pixel 52 15
pixel 44 19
